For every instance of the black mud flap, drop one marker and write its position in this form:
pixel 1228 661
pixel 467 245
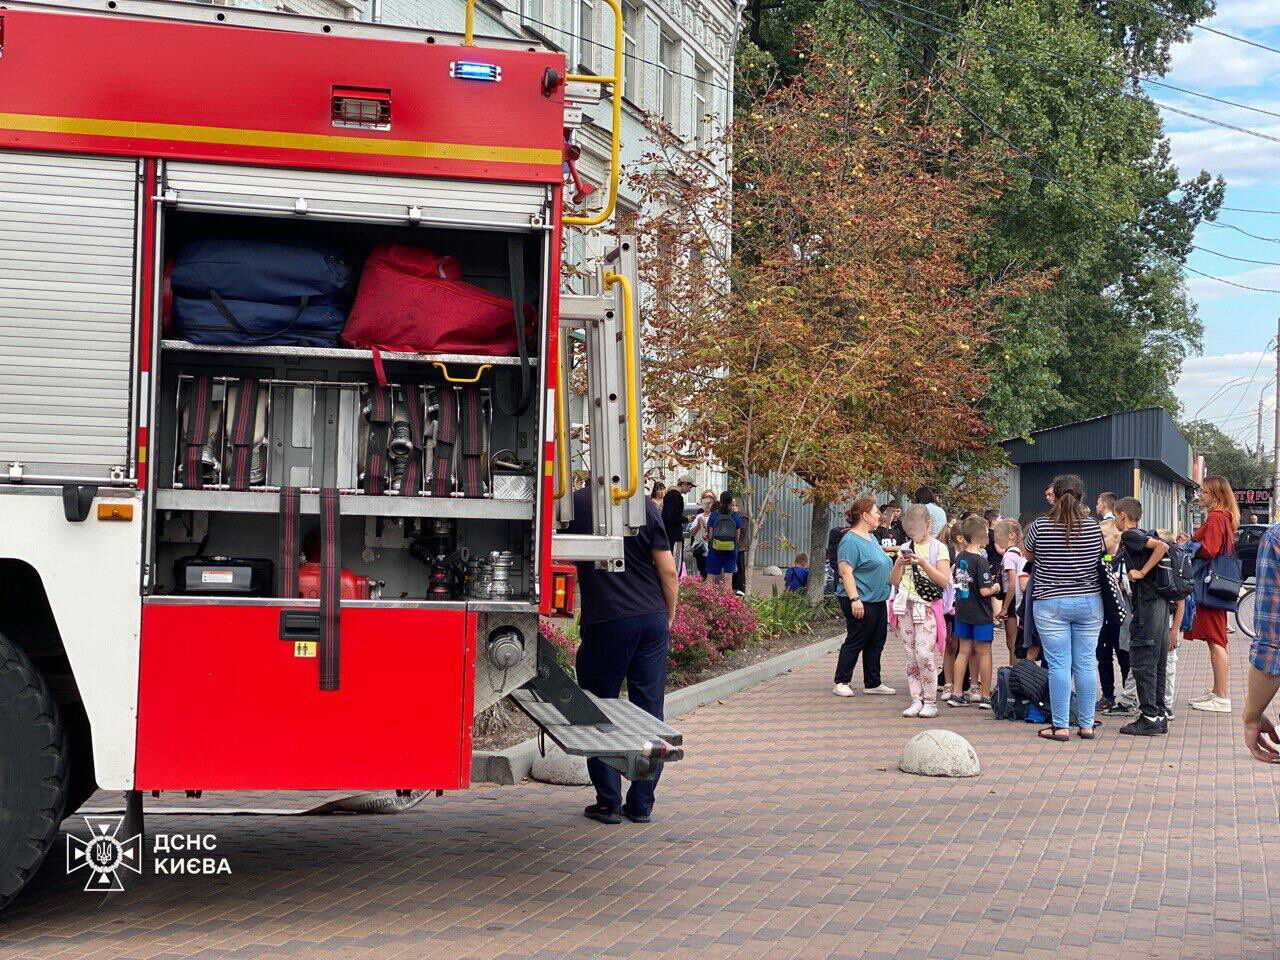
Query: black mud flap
pixel 581 724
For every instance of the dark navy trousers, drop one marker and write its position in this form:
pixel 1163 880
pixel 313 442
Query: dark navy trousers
pixel 633 649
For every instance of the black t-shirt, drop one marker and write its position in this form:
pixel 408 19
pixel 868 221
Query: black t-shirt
pixel 1136 553
pixel 834 537
pixel 673 516
pixel 996 561
pixel 892 535
pixel 637 591
pixel 971 573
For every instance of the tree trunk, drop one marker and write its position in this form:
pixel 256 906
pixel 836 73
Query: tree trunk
pixel 819 528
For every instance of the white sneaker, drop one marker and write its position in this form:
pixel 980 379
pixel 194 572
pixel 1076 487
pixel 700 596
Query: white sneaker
pixel 1215 704
pixel 928 711
pixel 946 692
pixel 914 709
pixel 1207 695
pixel 881 691
pixel 842 690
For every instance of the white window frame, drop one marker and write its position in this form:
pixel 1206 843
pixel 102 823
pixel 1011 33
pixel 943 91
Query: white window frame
pixel 587 53
pixel 668 100
pixel 703 103
pixel 632 27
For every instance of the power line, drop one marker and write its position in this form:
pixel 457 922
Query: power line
pixel 1238 229
pixel 951 95
pixel 1229 283
pixel 1227 256
pixel 1258 366
pixel 1250 210
pixel 997 48
pixel 1218 123
pixel 1122 74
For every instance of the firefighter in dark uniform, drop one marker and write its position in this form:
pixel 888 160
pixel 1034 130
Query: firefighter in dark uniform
pixel 626 635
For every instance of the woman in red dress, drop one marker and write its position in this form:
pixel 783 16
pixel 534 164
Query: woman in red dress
pixel 1216 536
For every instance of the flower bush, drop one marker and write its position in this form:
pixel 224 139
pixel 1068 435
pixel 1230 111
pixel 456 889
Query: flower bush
pixel 710 622
pixel 566 646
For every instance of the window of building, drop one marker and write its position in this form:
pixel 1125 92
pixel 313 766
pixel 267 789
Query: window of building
pixel 703 104
pixel 668 92
pixel 630 47
pixel 587 35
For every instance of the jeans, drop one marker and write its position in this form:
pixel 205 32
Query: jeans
pixel 1069 629
pixel 633 649
pixel 865 637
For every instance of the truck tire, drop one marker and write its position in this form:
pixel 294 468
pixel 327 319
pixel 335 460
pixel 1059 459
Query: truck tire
pixel 33 771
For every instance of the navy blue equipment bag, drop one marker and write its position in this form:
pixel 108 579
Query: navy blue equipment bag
pixel 241 291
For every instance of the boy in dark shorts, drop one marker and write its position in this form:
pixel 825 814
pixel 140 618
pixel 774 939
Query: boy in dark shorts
pixel 1149 631
pixel 975 619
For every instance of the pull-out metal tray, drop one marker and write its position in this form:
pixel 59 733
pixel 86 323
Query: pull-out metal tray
pixel 625 743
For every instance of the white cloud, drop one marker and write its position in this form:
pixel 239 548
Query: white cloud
pixel 1267 279
pixel 1211 60
pixel 1236 15
pixel 1244 160
pixel 1224 388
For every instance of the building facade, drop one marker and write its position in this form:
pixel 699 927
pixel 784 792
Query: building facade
pixel 1139 454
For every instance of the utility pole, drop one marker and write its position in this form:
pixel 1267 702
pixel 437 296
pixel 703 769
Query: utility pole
pixel 1275 442
pixel 1261 458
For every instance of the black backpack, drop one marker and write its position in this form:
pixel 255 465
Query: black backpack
pixel 1174 576
pixel 724 535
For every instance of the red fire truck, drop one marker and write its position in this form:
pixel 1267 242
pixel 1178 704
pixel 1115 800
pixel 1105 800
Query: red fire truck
pixel 237 560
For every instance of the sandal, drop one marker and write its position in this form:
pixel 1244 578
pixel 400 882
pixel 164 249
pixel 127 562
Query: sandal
pixel 1090 733
pixel 1052 733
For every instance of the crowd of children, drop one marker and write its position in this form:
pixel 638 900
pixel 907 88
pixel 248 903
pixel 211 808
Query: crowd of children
pixel 955 589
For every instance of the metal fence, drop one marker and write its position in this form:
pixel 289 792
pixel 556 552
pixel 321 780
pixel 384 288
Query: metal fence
pixel 785 531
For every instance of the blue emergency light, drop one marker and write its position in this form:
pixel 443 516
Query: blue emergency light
pixel 471 70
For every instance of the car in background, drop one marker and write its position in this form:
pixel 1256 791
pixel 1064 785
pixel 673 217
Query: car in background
pixel 1247 539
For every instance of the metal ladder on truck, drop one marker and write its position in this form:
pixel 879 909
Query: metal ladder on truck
pixel 612 730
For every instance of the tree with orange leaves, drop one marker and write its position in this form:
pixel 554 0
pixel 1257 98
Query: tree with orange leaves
pixel 835 337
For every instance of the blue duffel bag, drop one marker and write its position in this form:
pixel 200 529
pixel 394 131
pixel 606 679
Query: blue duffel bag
pixel 230 323
pixel 242 291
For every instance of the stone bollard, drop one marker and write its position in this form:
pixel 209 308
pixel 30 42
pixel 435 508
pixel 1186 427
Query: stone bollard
pixel 939 753
pixel 560 768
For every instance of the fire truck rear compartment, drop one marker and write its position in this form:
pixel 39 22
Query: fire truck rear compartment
pixel 231 690
pixel 312 430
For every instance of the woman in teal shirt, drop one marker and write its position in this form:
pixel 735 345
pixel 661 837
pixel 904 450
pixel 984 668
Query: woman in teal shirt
pixel 862 589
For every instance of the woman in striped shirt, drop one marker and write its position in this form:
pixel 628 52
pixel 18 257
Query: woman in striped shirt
pixel 1066 545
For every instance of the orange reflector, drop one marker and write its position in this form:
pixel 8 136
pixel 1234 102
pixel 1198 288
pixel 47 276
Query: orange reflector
pixel 562 590
pixel 115 511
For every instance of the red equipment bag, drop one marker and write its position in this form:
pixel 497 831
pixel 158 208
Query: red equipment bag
pixel 415 301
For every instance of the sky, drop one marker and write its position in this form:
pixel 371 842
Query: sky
pixel 1238 363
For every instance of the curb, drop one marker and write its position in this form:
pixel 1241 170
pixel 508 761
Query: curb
pixel 510 766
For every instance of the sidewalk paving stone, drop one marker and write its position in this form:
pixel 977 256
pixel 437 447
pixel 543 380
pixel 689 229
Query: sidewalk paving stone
pixel 788 833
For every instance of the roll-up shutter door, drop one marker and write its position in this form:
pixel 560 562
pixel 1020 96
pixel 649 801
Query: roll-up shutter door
pixel 350 196
pixel 67 239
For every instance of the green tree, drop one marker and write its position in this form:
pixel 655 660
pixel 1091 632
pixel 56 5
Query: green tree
pixel 1091 197
pixel 1225 457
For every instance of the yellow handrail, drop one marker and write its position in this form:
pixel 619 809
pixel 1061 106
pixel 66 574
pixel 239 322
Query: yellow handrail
pixel 633 400
pixel 615 134
pixel 444 370
pixel 562 421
